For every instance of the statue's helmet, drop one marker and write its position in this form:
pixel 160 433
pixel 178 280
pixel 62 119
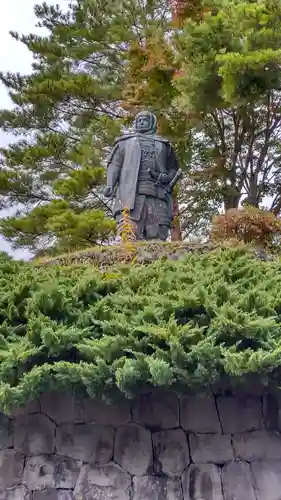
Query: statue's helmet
pixel 145 121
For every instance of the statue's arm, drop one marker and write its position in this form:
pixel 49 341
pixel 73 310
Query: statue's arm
pixel 173 164
pixel 114 165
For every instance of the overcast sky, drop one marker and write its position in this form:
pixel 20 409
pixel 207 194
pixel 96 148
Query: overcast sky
pixel 16 15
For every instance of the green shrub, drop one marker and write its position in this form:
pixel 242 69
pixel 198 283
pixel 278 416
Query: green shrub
pixel 183 324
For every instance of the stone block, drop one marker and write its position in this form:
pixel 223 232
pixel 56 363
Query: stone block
pixel 6 432
pixel 202 482
pixel 28 409
pixel 250 388
pixel 274 409
pixel 212 448
pixel 62 408
pixel 171 452
pixel 157 410
pixel 199 414
pixel 34 435
pixel 54 495
pixel 99 412
pixel 133 449
pixel 50 471
pixel 156 488
pixel 257 445
pixel 16 493
pixel 270 411
pixel 240 414
pixel 237 482
pixel 87 442
pixel 267 479
pixel 11 468
pixel 97 493
pixel 101 483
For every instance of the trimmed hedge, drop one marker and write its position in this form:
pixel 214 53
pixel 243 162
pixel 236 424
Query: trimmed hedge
pixel 180 324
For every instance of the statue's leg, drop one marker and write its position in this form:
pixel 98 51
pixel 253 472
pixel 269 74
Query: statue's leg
pixel 157 222
pixel 163 232
pixel 139 229
pixel 138 215
pixel 151 222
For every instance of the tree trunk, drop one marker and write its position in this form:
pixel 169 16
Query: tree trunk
pixel 232 200
pixel 176 228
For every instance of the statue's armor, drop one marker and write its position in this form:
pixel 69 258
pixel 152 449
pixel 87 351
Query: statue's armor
pixel 146 184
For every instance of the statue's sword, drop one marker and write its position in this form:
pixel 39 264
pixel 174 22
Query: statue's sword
pixel 176 178
pixel 169 187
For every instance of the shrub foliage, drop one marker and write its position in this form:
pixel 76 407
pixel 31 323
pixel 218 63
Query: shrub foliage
pixel 249 225
pixel 183 324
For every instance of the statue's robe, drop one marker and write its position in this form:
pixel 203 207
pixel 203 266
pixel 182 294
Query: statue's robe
pixel 129 161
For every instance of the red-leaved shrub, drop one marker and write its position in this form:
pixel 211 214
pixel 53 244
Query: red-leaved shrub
pixel 248 225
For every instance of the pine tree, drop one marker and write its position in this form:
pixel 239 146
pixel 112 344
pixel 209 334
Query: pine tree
pixel 68 113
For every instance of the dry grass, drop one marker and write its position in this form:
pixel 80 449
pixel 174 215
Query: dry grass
pixel 145 252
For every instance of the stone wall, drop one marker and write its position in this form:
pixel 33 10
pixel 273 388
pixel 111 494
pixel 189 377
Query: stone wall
pixel 160 447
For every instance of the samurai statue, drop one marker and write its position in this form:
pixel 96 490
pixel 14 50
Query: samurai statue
pixel 141 173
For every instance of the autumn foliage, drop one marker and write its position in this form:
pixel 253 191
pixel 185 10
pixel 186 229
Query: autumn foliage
pixel 127 231
pixel 247 224
pixel 182 9
pixel 178 7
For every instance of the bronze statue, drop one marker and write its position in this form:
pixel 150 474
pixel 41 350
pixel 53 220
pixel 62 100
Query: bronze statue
pixel 142 170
